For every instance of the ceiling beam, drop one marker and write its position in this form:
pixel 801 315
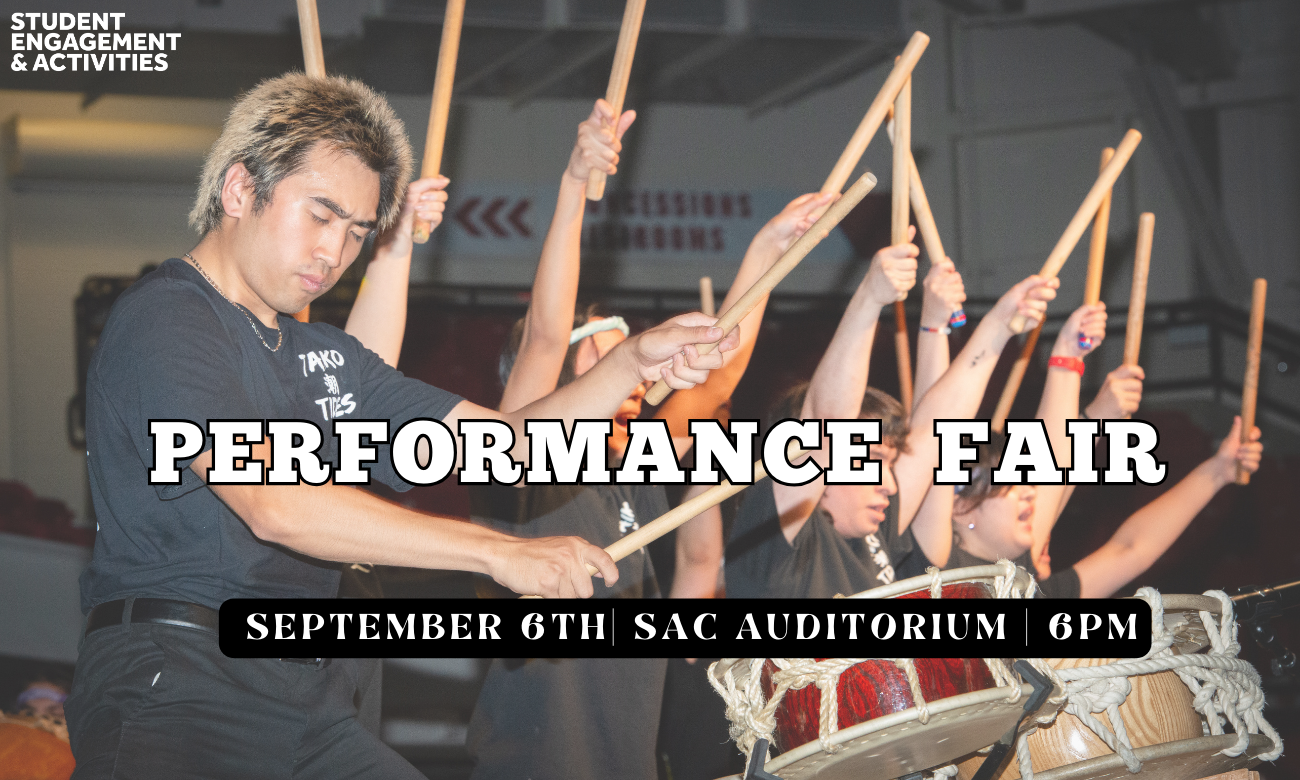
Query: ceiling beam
pixel 502 60
pixel 858 59
pixel 595 51
pixel 705 54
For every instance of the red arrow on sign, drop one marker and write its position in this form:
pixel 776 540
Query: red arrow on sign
pixel 489 217
pixel 515 218
pixel 463 215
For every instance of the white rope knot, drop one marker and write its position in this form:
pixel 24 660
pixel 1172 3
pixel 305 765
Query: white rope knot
pixel 752 714
pixel 936 582
pixel 1224 688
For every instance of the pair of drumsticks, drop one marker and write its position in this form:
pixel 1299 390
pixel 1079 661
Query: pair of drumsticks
pixel 894 96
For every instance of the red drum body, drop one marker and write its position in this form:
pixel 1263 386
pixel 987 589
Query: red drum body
pixel 887 726
pixel 878 687
pixel 870 690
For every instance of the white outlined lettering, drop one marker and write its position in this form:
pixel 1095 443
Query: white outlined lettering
pixel 173 440
pixel 1027 457
pixel 844 451
pixel 650 457
pixel 732 450
pixel 557 459
pixel 442 449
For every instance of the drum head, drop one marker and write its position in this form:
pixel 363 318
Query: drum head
pixel 1183 617
pixel 987 573
pixel 897 744
pixel 1188 759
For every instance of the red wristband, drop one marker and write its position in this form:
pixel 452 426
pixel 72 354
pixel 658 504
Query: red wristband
pixel 1070 363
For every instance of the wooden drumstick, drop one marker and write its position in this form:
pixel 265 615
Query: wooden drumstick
pixel 1137 297
pixel 313 55
pixel 901 217
pixel 1097 250
pixel 797 251
pixel 1074 231
pixel 618 76
pixel 706 296
pixel 678 515
pixel 313 58
pixel 1014 379
pixel 1250 384
pixel 852 153
pixel 925 220
pixel 443 80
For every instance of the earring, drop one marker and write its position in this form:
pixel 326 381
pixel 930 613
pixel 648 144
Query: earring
pixel 971 526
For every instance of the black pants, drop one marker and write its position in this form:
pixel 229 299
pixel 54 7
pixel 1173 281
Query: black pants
pixel 157 701
pixel 693 739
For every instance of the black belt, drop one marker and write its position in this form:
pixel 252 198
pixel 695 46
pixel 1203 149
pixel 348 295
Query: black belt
pixel 165 611
pixel 171 613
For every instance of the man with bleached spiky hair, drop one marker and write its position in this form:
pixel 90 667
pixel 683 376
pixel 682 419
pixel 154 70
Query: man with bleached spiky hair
pixel 304 171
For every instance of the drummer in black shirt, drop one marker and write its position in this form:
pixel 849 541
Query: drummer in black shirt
pixel 304 170
pixel 816 541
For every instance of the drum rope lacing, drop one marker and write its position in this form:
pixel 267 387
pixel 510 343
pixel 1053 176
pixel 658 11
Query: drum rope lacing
pixel 753 717
pixel 1223 686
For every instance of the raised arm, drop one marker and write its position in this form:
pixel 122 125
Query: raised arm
pixel 549 319
pixel 944 294
pixel 957 394
pixel 1118 399
pixel 772 240
pixel 699 549
pixel 1060 404
pixel 840 380
pixel 378 316
pixel 1151 530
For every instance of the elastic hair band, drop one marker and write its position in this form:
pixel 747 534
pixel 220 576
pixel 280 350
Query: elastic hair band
pixel 42 692
pixel 598 326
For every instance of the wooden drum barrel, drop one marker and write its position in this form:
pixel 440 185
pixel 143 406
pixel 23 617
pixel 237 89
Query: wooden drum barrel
pixel 1158 710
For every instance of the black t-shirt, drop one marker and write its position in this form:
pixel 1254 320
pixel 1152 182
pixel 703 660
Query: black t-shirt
pixel 1063 584
pixel 601 514
pixel 819 563
pixel 568 719
pixel 174 349
pixel 572 718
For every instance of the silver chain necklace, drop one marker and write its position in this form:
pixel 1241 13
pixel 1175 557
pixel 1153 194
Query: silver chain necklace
pixel 240 309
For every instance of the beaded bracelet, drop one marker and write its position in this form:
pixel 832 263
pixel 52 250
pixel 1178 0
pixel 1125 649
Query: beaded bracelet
pixel 1069 363
pixel 945 330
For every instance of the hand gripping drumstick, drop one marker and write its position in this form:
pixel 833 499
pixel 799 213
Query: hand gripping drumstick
pixel 797 251
pixel 1091 294
pixel 618 75
pixel 925 221
pixel 852 153
pixel 900 217
pixel 443 80
pixel 706 296
pixel 313 58
pixel 1097 250
pixel 1074 231
pixel 1250 384
pixel 1137 297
